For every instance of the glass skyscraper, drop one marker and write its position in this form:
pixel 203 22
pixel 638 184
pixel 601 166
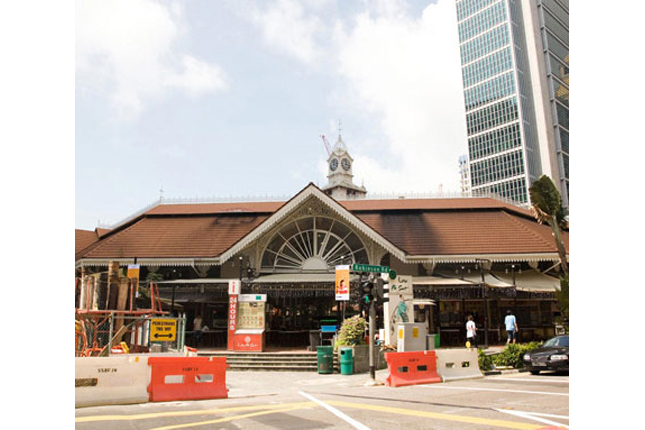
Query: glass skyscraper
pixel 515 70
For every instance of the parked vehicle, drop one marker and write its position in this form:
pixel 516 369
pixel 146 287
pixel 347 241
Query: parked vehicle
pixel 552 355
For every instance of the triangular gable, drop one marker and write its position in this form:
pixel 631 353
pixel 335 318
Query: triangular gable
pixel 286 209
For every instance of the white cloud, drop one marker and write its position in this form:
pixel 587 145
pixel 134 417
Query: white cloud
pixel 125 52
pixel 290 28
pixel 406 71
pixel 402 71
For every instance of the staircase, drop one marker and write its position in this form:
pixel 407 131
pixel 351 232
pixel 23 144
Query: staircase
pixel 268 361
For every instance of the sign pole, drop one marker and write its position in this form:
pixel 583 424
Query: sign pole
pixel 372 324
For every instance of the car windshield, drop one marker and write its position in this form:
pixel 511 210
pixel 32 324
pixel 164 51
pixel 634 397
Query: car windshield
pixel 557 342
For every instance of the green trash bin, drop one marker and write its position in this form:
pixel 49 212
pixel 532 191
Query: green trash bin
pixel 325 359
pixel 436 340
pixel 346 361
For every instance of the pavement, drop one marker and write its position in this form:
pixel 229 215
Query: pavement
pixel 312 401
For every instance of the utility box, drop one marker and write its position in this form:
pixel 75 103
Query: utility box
pixel 411 337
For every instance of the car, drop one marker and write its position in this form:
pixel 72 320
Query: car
pixel 552 355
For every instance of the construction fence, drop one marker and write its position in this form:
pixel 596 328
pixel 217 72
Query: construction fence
pixel 106 333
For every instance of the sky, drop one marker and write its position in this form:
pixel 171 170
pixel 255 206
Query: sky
pixel 227 99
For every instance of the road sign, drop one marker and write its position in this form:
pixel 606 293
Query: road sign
pixel 163 330
pixel 133 270
pixel 369 268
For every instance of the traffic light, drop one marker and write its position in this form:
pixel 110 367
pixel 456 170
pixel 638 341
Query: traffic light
pixel 367 291
pixel 381 290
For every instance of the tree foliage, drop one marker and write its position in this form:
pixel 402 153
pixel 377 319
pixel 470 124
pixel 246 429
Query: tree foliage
pixel 547 205
pixel 547 202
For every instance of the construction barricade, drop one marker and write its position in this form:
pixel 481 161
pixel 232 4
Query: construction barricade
pixel 187 378
pixel 111 380
pixel 411 368
pixel 454 364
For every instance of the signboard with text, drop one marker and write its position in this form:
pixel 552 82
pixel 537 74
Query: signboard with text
pixel 133 271
pixel 400 307
pixel 370 268
pixel 234 286
pixel 342 283
pixel 163 330
pixel 232 320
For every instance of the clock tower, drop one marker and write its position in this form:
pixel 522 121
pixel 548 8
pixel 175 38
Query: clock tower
pixel 340 185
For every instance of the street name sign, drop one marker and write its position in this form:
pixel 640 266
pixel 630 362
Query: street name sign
pixel 370 268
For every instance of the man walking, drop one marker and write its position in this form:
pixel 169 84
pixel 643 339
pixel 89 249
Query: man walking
pixel 511 327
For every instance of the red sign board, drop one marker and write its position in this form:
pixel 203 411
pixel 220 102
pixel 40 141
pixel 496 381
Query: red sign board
pixel 249 341
pixel 232 320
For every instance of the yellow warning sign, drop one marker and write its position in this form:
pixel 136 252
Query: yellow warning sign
pixel 163 330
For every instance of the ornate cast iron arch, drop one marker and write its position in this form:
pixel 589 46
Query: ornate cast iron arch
pixel 312 244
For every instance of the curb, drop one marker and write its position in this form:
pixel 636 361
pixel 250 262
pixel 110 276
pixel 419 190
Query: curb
pixel 504 372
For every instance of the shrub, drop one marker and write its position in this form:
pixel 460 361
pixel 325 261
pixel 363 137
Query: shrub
pixel 352 332
pixel 511 356
pixel 485 361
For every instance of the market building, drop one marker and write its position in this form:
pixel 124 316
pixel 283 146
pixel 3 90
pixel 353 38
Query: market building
pixel 465 256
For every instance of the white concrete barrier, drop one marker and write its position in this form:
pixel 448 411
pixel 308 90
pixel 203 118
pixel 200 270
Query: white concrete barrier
pixel 111 380
pixel 455 364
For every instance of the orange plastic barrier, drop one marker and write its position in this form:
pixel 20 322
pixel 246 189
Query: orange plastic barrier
pixel 187 378
pixel 411 368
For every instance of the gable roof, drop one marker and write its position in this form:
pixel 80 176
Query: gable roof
pixel 85 238
pixel 413 230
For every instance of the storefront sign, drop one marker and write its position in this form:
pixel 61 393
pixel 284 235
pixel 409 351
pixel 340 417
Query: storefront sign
pixel 249 340
pixel 400 308
pixel 253 298
pixel 232 320
pixel 251 314
pixel 234 286
pixel 342 283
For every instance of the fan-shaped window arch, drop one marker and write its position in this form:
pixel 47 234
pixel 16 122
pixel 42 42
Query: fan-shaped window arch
pixel 313 244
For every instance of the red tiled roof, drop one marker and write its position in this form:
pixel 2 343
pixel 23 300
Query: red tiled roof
pixel 215 208
pixel 83 239
pixel 462 232
pixel 474 203
pixel 419 227
pixel 358 205
pixel 176 237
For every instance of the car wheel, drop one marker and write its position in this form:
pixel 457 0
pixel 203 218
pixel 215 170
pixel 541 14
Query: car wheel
pixel 535 372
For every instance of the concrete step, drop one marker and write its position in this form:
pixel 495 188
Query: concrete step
pixel 275 368
pixel 269 361
pixel 306 361
pixel 258 355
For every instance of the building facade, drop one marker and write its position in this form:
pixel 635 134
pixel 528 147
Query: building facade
pixel 476 256
pixel 515 71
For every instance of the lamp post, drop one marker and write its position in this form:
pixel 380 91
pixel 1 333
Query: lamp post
pixel 513 268
pixel 480 263
pixel 241 261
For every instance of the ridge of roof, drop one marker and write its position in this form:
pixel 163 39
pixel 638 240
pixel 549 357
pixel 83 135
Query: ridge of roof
pixel 355 205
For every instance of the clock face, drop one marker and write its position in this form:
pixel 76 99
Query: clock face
pixel 345 164
pixel 333 165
